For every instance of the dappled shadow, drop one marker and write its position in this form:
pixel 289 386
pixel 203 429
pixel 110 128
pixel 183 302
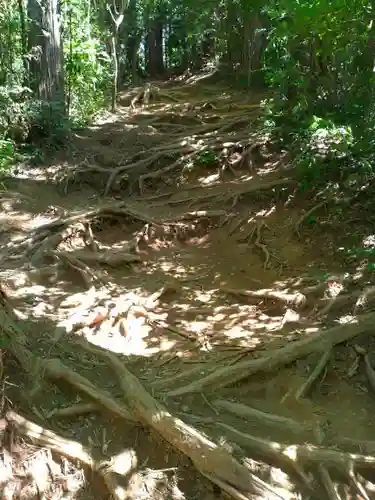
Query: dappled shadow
pixel 216 290
pixel 163 139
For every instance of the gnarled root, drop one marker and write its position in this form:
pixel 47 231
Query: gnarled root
pixel 325 339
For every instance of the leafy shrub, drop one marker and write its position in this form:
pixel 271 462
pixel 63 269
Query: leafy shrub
pixel 88 70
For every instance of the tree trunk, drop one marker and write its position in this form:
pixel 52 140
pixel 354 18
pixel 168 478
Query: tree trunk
pixel 47 77
pixel 257 47
pixel 132 56
pixel 117 18
pixel 231 22
pixel 208 47
pixel 21 13
pixel 131 38
pixel 46 62
pixel 155 60
pixel 115 72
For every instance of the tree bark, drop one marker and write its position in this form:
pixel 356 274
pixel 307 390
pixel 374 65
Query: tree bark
pixel 155 59
pixel 46 62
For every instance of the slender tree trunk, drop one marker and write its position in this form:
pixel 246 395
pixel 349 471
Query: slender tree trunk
pixel 131 39
pixel 257 47
pixel 115 72
pixel 21 12
pixel 159 51
pixel 231 55
pixel 132 56
pixel 117 19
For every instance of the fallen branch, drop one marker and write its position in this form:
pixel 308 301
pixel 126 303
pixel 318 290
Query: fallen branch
pixel 325 339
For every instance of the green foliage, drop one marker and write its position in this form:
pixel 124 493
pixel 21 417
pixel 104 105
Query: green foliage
pixel 11 64
pixel 88 69
pixel 13 116
pixel 319 60
pixel 8 154
pixel 206 159
pixel 324 149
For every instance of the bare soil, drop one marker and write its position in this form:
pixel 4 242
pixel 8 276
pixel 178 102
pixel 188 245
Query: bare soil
pixel 163 286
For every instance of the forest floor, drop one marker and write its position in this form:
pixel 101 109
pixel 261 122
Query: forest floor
pixel 174 324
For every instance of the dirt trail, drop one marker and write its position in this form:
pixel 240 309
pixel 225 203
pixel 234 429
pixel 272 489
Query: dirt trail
pixel 199 268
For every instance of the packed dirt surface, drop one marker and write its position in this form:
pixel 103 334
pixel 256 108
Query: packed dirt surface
pixel 179 319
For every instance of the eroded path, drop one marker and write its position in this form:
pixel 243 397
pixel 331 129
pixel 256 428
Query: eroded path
pixel 198 266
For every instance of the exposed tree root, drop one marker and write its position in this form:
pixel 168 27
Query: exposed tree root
pixel 265 490
pixel 221 466
pixel 182 146
pixel 72 262
pixel 45 242
pixel 48 243
pixel 370 373
pixel 199 214
pixel 324 475
pixel 224 191
pixel 325 339
pixel 292 299
pixel 53 369
pixel 264 418
pixel 262 246
pixel 267 451
pixel 73 451
pixel 302 455
pixel 209 458
pixel 302 462
pixel 157 174
pixel 306 215
pixel 305 463
pixel 141 165
pixel 74 410
pixel 315 374
pixel 144 95
pixel 111 258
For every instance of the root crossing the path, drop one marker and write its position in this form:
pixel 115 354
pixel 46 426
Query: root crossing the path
pixel 172 326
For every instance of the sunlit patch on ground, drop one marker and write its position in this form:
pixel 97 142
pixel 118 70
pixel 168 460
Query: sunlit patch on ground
pixel 193 276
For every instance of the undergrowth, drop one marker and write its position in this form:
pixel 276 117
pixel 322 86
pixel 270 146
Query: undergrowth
pixel 324 149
